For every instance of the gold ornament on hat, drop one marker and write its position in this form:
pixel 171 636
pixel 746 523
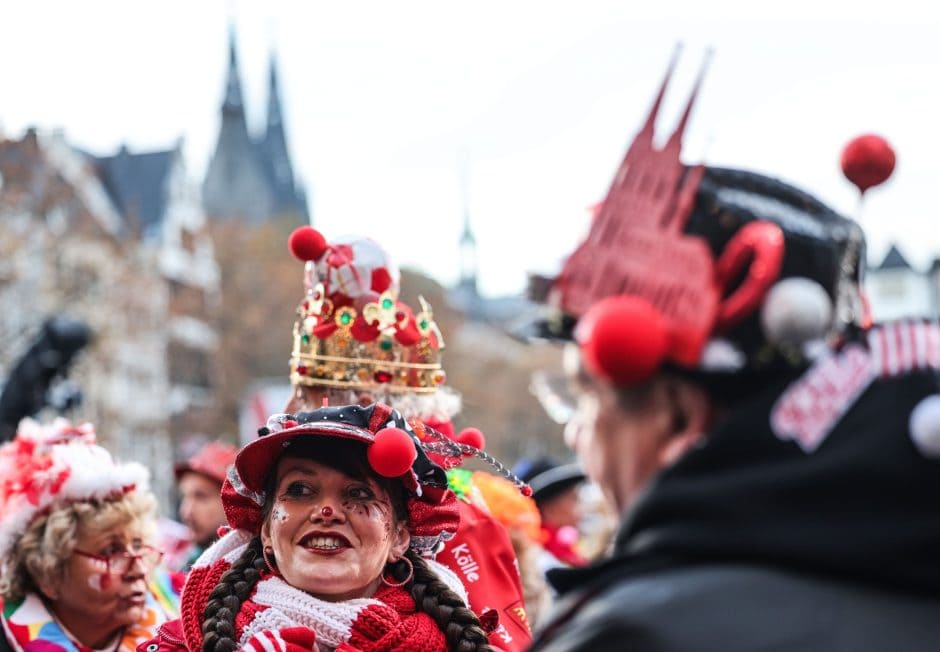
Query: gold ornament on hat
pixel 383 364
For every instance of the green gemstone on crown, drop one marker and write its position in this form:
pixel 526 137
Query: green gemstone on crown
pixel 387 303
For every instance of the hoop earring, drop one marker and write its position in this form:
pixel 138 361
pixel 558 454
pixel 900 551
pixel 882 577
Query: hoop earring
pixel 268 550
pixel 411 573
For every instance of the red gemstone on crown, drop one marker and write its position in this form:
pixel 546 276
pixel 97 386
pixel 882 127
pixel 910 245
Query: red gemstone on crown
pixel 382 377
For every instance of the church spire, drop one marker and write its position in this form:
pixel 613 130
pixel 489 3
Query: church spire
pixel 233 88
pixel 468 256
pixel 275 122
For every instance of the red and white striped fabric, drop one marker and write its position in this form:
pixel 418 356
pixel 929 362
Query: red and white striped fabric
pixel 291 639
pixel 812 406
pixel 903 346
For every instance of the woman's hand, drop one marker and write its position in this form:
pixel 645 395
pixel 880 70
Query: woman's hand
pixel 289 639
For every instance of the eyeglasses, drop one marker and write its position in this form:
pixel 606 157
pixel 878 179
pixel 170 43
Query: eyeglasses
pixel 121 562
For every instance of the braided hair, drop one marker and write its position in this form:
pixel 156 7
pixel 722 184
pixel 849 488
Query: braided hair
pixel 225 601
pixel 461 626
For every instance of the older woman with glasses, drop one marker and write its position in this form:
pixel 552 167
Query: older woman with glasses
pixel 76 567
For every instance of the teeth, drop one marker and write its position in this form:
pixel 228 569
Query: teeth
pixel 325 543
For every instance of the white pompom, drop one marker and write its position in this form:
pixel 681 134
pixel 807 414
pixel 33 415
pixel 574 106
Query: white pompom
pixel 924 425
pixel 797 310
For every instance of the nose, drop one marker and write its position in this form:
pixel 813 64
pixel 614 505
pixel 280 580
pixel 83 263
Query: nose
pixel 327 513
pixel 136 570
pixel 186 509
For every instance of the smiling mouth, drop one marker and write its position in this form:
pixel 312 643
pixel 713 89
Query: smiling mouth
pixel 325 542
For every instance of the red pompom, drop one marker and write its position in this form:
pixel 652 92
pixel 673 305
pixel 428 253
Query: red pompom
pixel 392 453
pixel 623 339
pixel 306 243
pixel 381 279
pixel 472 437
pixel 868 161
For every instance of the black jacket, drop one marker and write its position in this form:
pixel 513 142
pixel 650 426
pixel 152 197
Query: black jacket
pixel 766 540
pixel 737 608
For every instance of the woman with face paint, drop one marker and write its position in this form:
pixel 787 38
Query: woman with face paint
pixel 76 560
pixel 336 515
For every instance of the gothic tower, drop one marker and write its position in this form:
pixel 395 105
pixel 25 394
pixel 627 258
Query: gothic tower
pixel 251 179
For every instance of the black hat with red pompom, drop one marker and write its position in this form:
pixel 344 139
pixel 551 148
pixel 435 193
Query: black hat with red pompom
pixel 392 450
pixel 707 271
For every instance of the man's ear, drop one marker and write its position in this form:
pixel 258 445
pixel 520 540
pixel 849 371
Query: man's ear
pixel 401 543
pixel 691 411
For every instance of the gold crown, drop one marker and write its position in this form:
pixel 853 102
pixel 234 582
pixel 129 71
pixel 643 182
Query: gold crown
pixel 385 347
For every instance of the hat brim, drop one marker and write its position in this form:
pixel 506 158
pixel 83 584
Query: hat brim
pixel 185 467
pixel 254 462
pixel 554 481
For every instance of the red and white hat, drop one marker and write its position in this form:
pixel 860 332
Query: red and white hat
pixel 49 466
pixel 393 451
pixel 212 461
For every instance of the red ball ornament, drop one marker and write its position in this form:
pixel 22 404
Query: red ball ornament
pixel 381 279
pixel 306 243
pixel 623 339
pixel 867 161
pixel 392 452
pixel 472 437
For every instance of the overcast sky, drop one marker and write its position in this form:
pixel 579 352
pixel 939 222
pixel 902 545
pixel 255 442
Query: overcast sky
pixel 383 100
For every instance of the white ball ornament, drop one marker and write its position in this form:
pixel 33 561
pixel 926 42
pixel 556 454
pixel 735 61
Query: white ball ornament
pixel 924 425
pixel 796 311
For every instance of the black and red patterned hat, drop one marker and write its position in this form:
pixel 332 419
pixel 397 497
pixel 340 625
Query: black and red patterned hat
pixel 706 270
pixel 392 449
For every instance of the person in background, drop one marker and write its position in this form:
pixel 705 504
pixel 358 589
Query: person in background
pixel 77 564
pixel 199 481
pixel 519 514
pixel 774 456
pixel 556 491
pixel 355 342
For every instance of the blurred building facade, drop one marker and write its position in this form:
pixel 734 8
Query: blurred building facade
pixel 896 289
pixel 251 177
pixel 119 242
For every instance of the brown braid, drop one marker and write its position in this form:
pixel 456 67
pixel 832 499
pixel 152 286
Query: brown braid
pixel 460 625
pixel 234 587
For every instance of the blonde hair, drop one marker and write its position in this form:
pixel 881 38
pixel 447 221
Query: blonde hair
pixel 40 555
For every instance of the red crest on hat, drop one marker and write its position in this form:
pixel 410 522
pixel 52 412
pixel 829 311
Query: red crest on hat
pixel 637 246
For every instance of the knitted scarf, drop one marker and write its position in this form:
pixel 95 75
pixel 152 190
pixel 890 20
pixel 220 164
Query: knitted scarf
pixel 28 625
pixel 389 621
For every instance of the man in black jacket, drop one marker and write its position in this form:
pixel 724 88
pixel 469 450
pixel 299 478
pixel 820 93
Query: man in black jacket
pixel 776 458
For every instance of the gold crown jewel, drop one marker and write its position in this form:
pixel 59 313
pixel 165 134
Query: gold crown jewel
pixel 385 346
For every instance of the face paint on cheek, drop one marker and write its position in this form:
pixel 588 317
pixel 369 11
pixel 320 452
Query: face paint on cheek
pixel 99 581
pixel 279 514
pixel 376 509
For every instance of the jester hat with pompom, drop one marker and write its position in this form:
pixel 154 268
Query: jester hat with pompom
pixel 707 271
pixel 392 449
